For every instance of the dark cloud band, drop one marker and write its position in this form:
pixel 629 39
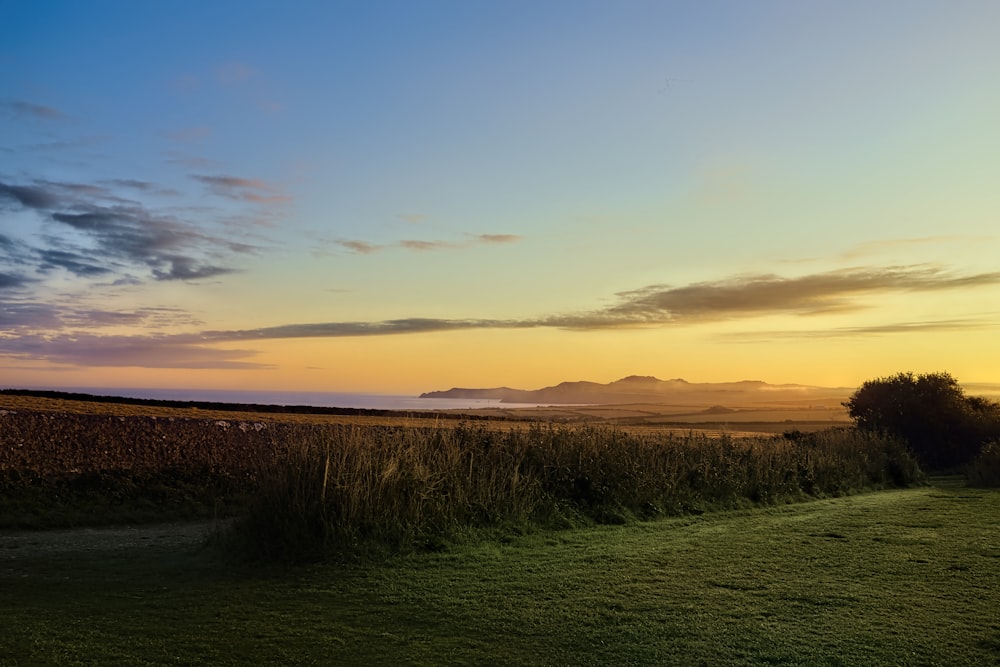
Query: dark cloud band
pixel 657 305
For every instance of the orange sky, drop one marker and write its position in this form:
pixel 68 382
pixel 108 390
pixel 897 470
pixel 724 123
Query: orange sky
pixel 354 200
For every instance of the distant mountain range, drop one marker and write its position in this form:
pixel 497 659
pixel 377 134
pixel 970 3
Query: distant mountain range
pixel 645 389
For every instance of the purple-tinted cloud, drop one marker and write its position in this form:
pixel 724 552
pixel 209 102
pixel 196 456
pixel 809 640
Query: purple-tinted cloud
pixel 243 189
pixel 419 245
pixel 28 196
pixel 124 351
pixel 497 238
pixel 121 233
pixel 32 111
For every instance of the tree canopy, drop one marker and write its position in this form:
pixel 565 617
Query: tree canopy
pixel 942 426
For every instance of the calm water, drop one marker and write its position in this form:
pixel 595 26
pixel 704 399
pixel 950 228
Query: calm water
pixel 312 398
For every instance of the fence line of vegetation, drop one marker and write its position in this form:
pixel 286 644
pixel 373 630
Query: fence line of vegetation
pixel 355 489
pixel 306 491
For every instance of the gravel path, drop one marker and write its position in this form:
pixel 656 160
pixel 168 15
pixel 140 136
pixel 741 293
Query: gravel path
pixel 28 544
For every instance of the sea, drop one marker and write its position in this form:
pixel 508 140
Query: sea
pixel 322 399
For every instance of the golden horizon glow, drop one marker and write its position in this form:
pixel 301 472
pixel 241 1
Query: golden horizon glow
pixel 570 192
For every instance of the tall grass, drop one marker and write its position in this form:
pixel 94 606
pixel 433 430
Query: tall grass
pixel 345 491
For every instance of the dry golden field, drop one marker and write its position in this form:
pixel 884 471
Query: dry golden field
pixel 735 422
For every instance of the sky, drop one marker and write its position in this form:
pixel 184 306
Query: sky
pixel 398 197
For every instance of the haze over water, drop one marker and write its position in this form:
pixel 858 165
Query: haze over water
pixel 306 398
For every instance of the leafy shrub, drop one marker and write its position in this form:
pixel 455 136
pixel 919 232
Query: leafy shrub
pixel 984 470
pixel 930 413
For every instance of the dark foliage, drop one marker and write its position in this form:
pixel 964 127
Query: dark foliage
pixel 931 413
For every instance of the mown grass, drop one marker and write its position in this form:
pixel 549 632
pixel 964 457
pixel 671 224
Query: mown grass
pixel 907 577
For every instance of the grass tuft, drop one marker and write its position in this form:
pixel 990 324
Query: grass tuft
pixel 355 491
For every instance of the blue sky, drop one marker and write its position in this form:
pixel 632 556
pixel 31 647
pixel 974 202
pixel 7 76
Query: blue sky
pixel 407 196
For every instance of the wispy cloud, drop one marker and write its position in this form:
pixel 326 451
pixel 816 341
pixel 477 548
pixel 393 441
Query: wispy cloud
pixel 27 317
pixel 656 305
pixel 355 329
pixel 360 247
pixel 425 246
pixel 33 111
pixel 145 187
pixel 496 238
pixel 122 351
pixel 243 189
pixel 768 294
pixel 118 233
pixel 421 245
pixel 932 326
pixel 883 246
pixel 13 280
pixel 28 196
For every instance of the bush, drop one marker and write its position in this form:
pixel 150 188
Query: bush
pixel 984 470
pixel 930 413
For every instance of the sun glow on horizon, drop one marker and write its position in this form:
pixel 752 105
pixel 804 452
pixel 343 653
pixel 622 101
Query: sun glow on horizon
pixel 497 195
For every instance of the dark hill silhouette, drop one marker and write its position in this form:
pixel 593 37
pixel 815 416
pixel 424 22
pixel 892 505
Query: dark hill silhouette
pixel 646 389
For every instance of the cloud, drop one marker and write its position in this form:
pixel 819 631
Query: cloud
pixel 497 238
pixel 360 247
pixel 135 236
pixel 115 230
pixel 770 294
pixel 13 280
pixel 412 218
pixel 49 195
pixel 658 305
pixel 26 317
pixel 655 305
pixel 353 329
pixel 242 189
pixel 73 262
pixel 932 326
pixel 142 186
pixel 419 245
pixel 887 245
pixel 30 110
pixel 185 268
pixel 424 246
pixel 21 315
pixel 29 196
pixel 122 351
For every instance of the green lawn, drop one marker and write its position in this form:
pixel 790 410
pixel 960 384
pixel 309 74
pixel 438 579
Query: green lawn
pixel 907 577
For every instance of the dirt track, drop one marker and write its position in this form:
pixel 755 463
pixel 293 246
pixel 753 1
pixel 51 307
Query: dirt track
pixel 29 544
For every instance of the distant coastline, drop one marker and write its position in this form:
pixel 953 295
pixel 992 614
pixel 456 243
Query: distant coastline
pixel 645 389
pixel 296 400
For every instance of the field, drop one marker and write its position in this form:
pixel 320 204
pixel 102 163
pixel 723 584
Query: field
pixel 437 540
pixel 341 480
pixel 906 577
